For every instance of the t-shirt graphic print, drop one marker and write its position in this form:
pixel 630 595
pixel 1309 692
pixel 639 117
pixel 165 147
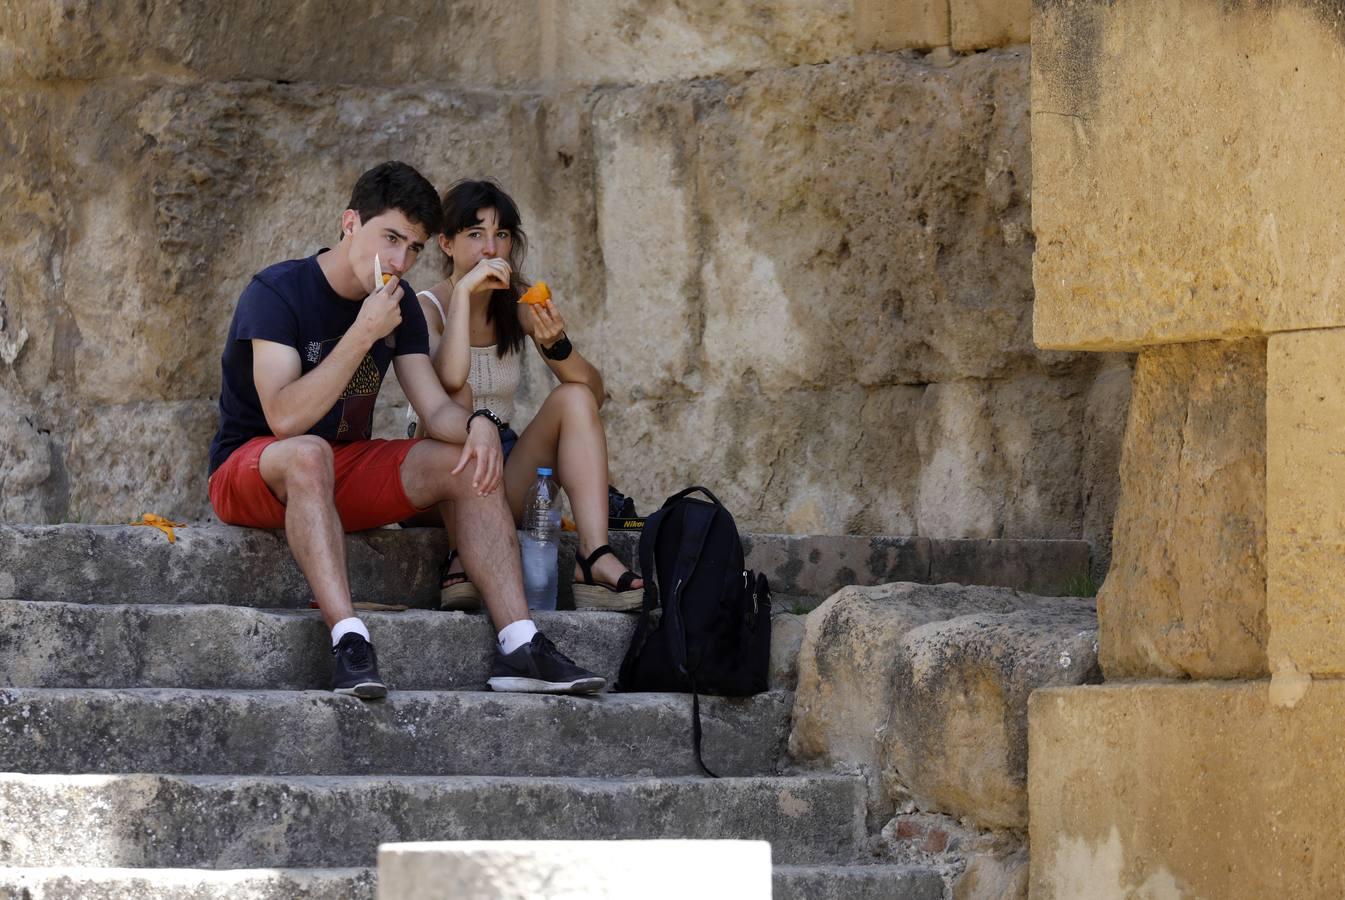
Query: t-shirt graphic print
pixel 356 406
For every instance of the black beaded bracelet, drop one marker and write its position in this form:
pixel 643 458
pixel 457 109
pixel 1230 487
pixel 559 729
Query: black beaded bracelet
pixel 499 423
pixel 559 350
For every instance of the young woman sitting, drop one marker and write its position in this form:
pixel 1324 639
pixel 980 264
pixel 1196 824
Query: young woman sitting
pixel 477 331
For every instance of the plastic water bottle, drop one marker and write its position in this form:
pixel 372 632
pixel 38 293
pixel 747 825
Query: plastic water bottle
pixel 540 540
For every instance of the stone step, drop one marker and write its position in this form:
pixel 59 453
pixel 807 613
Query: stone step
pixel 49 644
pixel 863 882
pixel 867 882
pixel 239 566
pixel 409 733
pixel 313 821
pixel 73 883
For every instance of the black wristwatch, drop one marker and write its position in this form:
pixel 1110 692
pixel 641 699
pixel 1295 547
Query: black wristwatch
pixel 499 423
pixel 559 350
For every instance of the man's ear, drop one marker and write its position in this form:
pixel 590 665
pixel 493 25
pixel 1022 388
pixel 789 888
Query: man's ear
pixel 349 221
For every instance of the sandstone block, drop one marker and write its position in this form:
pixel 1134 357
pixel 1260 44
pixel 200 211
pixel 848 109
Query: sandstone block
pixel 604 870
pixel 638 41
pixel 482 45
pixel 888 25
pixel 1186 593
pixel 1104 425
pixel 141 457
pixel 646 339
pixel 957 725
pixel 1305 515
pixel 1167 204
pixel 978 24
pixel 924 688
pixel 1185 790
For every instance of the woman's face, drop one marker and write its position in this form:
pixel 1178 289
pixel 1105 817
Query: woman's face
pixel 484 240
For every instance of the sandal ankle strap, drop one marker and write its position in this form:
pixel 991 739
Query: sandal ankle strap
pixel 586 564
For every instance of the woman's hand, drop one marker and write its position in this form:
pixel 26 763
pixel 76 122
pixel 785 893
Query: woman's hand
pixel 547 323
pixel 487 275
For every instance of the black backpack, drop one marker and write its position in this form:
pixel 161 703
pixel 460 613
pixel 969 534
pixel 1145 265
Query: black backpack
pixel 705 627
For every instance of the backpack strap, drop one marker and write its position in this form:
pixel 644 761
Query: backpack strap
pixel 696 730
pixel 645 625
pixel 686 492
pixel 695 532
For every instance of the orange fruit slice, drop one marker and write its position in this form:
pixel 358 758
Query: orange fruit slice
pixel 538 294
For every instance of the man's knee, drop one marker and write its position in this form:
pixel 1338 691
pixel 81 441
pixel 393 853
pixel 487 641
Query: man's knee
pixel 310 465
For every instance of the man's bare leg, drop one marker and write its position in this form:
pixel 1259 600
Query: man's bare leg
pixel 298 471
pixel 527 660
pixel 486 537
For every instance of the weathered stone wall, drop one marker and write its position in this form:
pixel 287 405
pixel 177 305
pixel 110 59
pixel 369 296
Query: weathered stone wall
pixel 1183 205
pixel 800 253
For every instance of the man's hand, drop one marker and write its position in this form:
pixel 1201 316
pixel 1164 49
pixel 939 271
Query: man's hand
pixel 483 445
pixel 381 312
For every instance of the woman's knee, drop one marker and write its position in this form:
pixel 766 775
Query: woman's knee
pixel 576 397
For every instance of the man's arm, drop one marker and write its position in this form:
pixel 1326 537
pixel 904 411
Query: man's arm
pixel 445 420
pixel 293 402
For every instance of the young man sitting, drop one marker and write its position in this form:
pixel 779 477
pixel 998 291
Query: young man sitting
pixel 309 345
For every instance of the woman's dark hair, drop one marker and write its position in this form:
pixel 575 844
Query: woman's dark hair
pixel 461 204
pixel 395 185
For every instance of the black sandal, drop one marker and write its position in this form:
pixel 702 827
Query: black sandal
pixel 456 591
pixel 592 594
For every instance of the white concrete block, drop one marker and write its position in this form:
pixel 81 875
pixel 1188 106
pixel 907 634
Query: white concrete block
pixel 574 870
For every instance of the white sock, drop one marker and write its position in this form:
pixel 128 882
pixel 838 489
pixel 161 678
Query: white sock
pixel 516 634
pixel 349 626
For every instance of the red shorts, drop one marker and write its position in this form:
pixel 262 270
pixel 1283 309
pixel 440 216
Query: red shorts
pixel 368 491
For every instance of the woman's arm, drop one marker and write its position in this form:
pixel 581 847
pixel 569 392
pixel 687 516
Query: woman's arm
pixel 453 356
pixel 544 324
pixel 451 351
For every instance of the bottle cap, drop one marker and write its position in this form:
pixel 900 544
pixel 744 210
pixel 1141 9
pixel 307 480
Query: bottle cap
pixel 544 471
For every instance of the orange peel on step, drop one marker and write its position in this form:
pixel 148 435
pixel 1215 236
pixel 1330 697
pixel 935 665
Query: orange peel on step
pixel 159 522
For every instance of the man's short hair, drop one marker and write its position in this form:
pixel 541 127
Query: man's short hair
pixel 395 185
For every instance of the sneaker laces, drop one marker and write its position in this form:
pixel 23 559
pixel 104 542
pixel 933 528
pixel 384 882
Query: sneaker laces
pixel 358 653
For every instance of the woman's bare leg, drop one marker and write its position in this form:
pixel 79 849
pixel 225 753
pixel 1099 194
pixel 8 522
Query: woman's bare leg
pixel 567 434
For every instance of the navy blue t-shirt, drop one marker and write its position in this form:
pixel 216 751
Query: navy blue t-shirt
pixel 291 303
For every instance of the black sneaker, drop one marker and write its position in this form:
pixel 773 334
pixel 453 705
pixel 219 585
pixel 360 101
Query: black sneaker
pixel 538 667
pixel 355 669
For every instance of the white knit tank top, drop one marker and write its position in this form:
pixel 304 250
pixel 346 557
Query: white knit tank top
pixel 494 380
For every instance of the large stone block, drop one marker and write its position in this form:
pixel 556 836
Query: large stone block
pixel 1168 204
pixel 1186 593
pixel 1186 790
pixel 634 41
pixel 1305 513
pixel 391 44
pixel 889 25
pixel 978 24
pixel 924 688
pixel 141 457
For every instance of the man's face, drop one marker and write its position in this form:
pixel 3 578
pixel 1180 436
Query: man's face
pixel 391 235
